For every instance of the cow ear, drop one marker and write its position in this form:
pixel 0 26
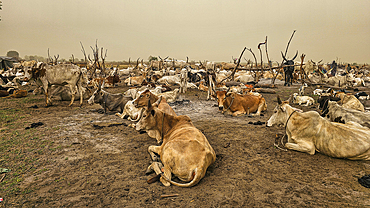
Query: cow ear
pixel 152 112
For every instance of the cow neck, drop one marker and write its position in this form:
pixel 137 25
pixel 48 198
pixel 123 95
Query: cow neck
pixel 286 124
pixel 230 103
pixel 163 126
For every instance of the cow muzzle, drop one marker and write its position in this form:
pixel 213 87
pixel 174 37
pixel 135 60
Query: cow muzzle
pixel 220 108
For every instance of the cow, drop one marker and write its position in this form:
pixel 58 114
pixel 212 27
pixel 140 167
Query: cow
pixel 143 100
pixel 350 101
pixel 18 94
pixel 65 94
pixel 337 113
pixel 111 102
pixel 302 100
pixel 62 74
pixel 301 89
pixel 131 113
pixel 309 132
pixel 236 104
pixel 110 81
pixel 170 96
pixel 185 151
pixel 288 69
pixel 339 81
pixel 134 80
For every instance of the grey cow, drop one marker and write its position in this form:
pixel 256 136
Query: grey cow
pixel 112 102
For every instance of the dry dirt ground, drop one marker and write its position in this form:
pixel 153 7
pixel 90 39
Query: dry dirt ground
pixel 80 157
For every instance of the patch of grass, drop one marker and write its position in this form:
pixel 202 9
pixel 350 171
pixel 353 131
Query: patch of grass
pixel 20 149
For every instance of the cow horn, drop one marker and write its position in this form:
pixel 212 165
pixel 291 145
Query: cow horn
pixel 158 101
pixel 149 104
pixel 227 90
pixel 283 56
pixel 295 56
pixel 279 101
pixel 102 86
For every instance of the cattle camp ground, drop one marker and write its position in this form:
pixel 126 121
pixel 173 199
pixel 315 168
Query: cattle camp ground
pixel 72 156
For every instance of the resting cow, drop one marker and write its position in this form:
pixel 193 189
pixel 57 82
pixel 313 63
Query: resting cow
pixel 350 101
pixel 111 102
pixel 237 104
pixel 341 114
pixel 185 151
pixel 309 132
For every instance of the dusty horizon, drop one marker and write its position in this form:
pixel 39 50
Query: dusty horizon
pixel 202 30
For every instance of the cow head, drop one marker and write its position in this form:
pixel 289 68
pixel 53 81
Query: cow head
pixel 149 116
pixel 221 98
pixel 143 99
pixel 36 71
pixel 97 96
pixel 280 115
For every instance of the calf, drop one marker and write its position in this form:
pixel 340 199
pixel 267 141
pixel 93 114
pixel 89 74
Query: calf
pixel 308 132
pixel 185 151
pixel 302 100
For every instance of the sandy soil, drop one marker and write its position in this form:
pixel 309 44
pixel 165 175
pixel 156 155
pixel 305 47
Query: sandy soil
pixel 96 160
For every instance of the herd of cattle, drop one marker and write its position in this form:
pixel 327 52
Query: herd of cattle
pixel 341 130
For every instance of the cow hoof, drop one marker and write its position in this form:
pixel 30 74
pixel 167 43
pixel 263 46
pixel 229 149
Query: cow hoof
pixel 149 171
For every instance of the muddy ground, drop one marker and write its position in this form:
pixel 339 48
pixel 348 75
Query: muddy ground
pixel 80 157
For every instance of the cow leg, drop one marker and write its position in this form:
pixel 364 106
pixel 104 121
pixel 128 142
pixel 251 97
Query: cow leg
pixel 261 106
pixel 73 92
pixel 47 95
pixel 167 174
pixel 153 150
pixel 79 85
pixel 301 146
pixel 238 113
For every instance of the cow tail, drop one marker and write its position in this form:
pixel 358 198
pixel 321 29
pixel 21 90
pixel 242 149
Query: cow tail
pixel 197 176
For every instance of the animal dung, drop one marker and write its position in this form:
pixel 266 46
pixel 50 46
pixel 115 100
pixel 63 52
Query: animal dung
pixel 365 181
pixel 34 125
pixel 256 123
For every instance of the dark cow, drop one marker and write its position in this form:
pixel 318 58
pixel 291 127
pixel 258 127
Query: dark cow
pixel 111 102
pixel 288 70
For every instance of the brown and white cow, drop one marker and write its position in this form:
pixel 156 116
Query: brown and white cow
pixel 61 74
pixel 142 101
pixel 309 132
pixel 185 151
pixel 236 104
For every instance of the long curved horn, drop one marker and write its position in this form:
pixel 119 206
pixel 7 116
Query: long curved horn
pixel 295 56
pixel 283 56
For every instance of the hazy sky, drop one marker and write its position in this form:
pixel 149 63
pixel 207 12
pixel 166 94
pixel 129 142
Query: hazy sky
pixel 211 30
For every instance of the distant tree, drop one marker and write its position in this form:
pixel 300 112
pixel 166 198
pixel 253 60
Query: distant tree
pixel 152 58
pixel 14 54
pixel 1 7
